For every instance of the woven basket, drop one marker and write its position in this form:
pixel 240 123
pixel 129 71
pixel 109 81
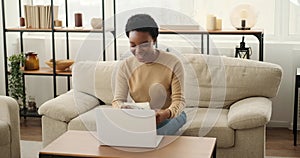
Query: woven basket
pixel 61 65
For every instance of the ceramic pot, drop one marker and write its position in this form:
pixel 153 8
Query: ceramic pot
pixel 96 23
pixel 31 61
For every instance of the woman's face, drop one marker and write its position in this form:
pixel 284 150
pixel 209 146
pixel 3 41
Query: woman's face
pixel 141 46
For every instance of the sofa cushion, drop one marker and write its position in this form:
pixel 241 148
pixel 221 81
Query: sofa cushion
pixel 104 83
pixel 250 113
pixel 69 105
pixel 4 133
pixel 225 80
pixel 83 79
pixel 210 123
pixel 95 78
pixel 85 121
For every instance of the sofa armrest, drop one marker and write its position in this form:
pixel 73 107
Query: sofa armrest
pixel 68 106
pixel 9 113
pixel 250 113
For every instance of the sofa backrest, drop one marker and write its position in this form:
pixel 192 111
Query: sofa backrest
pixel 222 81
pixel 210 81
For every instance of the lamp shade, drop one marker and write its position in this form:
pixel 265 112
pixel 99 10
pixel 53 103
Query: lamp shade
pixel 243 17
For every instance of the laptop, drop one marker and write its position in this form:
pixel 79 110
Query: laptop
pixel 127 127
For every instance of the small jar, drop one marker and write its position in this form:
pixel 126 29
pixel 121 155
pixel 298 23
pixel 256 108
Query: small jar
pixel 31 61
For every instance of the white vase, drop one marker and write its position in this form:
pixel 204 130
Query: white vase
pixel 96 23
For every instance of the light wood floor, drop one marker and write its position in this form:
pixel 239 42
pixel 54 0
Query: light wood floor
pixel 279 141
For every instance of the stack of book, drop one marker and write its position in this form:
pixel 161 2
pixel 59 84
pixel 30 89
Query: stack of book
pixel 39 16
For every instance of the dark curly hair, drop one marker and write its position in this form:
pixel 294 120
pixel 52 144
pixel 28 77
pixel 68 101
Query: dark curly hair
pixel 143 23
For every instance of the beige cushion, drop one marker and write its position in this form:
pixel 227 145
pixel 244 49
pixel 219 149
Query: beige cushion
pixel 4 133
pixel 69 105
pixel 210 123
pixel 250 113
pixel 95 78
pixel 225 80
pixel 83 77
pixel 85 121
pixel 104 83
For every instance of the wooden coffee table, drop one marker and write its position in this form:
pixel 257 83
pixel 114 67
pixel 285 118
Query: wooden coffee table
pixel 85 144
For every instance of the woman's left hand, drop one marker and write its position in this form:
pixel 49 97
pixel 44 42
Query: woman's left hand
pixel 162 115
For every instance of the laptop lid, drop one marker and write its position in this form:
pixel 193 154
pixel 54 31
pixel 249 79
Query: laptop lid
pixel 127 127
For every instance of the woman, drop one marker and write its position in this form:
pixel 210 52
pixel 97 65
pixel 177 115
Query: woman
pixel 152 76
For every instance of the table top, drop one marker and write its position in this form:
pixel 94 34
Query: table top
pixel 85 144
pixel 223 32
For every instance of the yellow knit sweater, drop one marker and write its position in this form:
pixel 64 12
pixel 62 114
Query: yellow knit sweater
pixel 160 83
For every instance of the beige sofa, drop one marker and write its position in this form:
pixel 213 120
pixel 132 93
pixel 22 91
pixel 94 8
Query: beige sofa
pixel 9 128
pixel 227 98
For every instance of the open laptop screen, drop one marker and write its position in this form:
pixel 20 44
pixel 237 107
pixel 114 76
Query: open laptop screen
pixel 126 127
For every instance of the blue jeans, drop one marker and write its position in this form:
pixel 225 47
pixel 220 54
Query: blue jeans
pixel 171 126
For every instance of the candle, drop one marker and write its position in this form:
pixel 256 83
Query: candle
pixel 211 22
pixel 78 20
pixel 57 23
pixel 219 24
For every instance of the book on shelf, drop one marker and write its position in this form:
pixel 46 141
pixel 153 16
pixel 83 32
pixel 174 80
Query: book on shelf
pixel 39 16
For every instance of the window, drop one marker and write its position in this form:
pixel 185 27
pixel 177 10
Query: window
pixel 294 20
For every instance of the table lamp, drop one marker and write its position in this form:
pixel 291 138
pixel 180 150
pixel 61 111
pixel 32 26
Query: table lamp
pixel 243 17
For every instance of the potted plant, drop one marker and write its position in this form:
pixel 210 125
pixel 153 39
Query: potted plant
pixel 15 79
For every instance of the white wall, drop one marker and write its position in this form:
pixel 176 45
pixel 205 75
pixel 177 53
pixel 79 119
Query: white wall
pixel 284 55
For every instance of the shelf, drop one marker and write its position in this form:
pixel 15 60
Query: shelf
pixel 197 31
pixel 73 29
pixel 162 31
pixel 250 32
pixel 69 29
pixel 26 30
pixel 46 71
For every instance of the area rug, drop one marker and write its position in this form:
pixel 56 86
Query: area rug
pixel 30 149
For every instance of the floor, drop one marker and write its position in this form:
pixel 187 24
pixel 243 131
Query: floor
pixel 279 141
pixel 31 129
